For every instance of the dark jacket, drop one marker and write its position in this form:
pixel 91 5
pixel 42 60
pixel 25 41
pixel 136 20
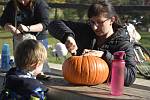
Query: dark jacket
pixel 85 39
pixel 26 16
pixel 22 83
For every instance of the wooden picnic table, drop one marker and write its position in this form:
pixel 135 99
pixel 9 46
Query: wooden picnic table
pixel 59 89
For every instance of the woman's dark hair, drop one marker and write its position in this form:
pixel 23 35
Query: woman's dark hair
pixel 101 8
pixel 104 8
pixel 17 9
pixel 30 6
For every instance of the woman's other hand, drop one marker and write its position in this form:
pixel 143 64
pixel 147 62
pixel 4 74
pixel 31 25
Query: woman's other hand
pixel 23 28
pixel 88 52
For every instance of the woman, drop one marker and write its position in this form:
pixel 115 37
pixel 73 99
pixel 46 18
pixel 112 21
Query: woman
pixel 101 37
pixel 26 16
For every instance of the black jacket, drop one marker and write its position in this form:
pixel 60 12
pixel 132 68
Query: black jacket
pixel 85 39
pixel 26 16
pixel 22 83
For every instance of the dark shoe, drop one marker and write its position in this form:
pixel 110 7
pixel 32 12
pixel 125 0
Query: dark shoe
pixel 43 77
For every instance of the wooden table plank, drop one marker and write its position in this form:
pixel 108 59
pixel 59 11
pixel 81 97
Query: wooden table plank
pixel 59 86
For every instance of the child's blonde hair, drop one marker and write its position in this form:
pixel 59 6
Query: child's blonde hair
pixel 28 53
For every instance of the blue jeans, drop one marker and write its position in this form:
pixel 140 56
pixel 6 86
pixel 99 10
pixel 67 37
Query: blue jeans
pixel 46 67
pixel 44 42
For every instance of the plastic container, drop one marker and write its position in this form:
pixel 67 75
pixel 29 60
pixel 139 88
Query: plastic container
pixel 117 76
pixel 5 57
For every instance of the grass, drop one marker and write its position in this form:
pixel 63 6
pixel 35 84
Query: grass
pixel 6 37
pixel 52 41
pixel 145 39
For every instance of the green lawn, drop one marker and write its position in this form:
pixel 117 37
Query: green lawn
pixel 145 39
pixel 5 37
pixel 145 42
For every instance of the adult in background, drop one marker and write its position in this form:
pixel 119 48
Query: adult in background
pixel 101 37
pixel 26 16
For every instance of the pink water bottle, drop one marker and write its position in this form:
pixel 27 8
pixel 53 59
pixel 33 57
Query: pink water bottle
pixel 117 76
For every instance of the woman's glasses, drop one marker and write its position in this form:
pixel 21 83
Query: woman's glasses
pixel 96 23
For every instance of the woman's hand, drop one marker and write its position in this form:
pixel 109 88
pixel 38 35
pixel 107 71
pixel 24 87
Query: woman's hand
pixel 9 27
pixel 96 53
pixel 23 28
pixel 71 45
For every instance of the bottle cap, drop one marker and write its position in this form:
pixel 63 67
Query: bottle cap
pixel 119 54
pixel 5 49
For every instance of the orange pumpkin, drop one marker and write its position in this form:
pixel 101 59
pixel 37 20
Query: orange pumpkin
pixel 85 70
